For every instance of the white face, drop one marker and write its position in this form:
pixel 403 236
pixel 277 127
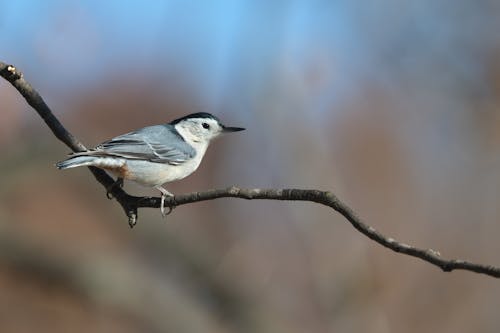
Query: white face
pixel 199 130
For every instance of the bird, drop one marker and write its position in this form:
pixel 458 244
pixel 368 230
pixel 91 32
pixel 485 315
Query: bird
pixel 154 155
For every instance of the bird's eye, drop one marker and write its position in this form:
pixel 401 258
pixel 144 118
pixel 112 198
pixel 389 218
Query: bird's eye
pixel 205 125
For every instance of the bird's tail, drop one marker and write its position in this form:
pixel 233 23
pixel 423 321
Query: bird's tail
pixel 76 161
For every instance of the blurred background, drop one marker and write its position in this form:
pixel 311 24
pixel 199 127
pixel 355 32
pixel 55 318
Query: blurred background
pixel 392 105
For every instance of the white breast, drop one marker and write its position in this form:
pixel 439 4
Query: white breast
pixel 152 174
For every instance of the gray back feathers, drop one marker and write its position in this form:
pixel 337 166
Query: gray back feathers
pixel 159 143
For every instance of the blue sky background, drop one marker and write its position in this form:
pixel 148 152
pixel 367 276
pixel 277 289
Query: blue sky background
pixel 233 50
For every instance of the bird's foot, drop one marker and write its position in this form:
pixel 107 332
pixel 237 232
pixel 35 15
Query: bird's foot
pixel 164 195
pixel 118 182
pixel 162 208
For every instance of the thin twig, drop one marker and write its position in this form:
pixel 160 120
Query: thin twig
pixel 131 203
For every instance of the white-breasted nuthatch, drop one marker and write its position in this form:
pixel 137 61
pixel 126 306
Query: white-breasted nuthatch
pixel 154 155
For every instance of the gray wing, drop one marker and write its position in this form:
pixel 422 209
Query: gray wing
pixel 160 143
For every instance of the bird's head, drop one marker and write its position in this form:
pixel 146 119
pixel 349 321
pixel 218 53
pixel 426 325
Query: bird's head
pixel 201 127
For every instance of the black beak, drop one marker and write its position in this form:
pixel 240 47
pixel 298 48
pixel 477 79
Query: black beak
pixel 231 129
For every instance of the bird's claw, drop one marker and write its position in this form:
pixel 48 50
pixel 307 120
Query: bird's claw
pixel 165 194
pixel 163 213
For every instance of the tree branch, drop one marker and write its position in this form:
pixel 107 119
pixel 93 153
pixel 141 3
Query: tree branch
pixel 131 204
pixel 15 77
